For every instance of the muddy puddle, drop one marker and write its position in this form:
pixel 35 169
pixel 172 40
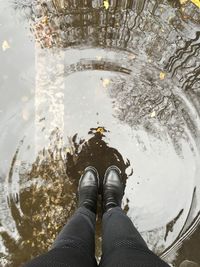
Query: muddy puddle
pixel 99 83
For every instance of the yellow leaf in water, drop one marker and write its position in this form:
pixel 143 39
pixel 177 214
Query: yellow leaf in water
pixel 100 130
pixel 131 56
pixel 99 57
pixel 5 45
pixel 153 114
pixel 162 75
pixel 106 4
pixel 45 20
pixel 106 82
pixel 196 2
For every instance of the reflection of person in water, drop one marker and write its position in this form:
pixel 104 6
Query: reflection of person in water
pixel 122 245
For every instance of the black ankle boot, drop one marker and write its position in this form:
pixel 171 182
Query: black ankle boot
pixel 88 189
pixel 113 188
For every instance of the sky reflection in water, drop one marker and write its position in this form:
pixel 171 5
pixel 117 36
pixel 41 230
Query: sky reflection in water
pixel 82 84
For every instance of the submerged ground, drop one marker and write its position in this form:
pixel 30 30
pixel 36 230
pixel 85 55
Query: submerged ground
pixel 99 83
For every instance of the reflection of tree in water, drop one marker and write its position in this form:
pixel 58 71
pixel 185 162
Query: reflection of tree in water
pixel 153 30
pixel 47 197
pixel 61 23
pixel 65 23
pixel 151 105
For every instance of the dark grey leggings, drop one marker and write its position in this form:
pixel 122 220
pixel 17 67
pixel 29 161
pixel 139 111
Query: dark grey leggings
pixel 117 229
pixel 79 230
pixel 122 245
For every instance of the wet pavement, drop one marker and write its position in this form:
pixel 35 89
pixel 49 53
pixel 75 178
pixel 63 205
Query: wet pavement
pixel 99 83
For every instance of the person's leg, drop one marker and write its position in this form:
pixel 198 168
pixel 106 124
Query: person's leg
pixel 75 245
pixel 118 230
pixel 78 232
pixel 122 244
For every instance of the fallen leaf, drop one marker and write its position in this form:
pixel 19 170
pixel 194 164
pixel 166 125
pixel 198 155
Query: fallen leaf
pixel 132 56
pixel 98 57
pixel 106 4
pixel 106 82
pixel 162 75
pixel 45 20
pixel 196 2
pixel 100 130
pixel 153 114
pixel 5 45
pixel 170 18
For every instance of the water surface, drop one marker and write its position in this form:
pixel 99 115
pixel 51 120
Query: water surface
pixel 85 85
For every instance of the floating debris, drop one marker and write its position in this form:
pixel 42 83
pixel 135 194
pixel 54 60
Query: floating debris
pixel 5 45
pixel 100 130
pixel 153 114
pixel 162 75
pixel 99 57
pixel 106 82
pixel 132 56
pixel 106 4
pixel 196 2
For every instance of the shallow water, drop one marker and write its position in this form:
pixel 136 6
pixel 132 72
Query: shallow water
pixel 85 85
